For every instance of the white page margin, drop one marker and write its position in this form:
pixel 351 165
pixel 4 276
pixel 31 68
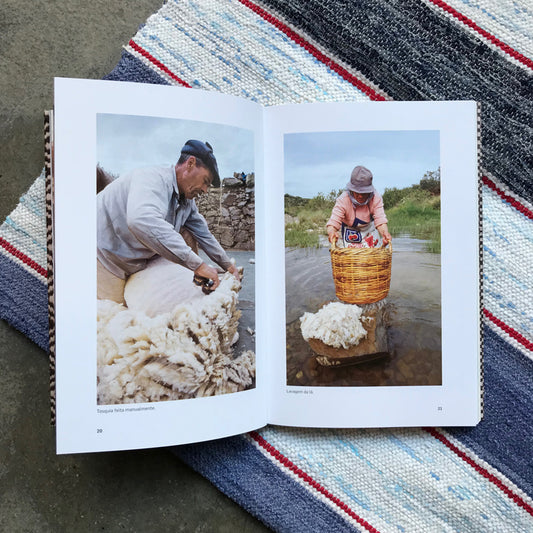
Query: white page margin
pixel 76 104
pixel 458 397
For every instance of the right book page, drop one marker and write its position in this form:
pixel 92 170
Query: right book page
pixel 375 238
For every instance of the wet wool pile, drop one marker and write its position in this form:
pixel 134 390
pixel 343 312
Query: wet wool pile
pixel 336 324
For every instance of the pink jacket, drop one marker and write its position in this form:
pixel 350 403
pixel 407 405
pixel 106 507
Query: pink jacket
pixel 344 211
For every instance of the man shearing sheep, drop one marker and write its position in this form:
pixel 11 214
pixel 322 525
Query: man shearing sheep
pixel 140 214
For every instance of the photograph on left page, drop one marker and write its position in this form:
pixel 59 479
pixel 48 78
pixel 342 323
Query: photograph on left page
pixel 175 259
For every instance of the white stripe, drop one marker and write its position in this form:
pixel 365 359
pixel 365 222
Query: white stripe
pixel 508 191
pixel 400 479
pixel 29 234
pixel 490 469
pixel 211 45
pixel 510 22
pixel 507 260
pixel 295 477
pixel 328 53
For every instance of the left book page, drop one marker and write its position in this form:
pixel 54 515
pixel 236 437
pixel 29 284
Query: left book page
pixel 145 357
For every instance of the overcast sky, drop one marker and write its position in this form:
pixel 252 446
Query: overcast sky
pixel 314 162
pixel 126 142
pixel 321 162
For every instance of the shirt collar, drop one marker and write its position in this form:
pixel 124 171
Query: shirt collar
pixel 181 199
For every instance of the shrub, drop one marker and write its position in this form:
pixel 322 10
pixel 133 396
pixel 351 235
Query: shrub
pixel 415 196
pixel 431 182
pixel 294 203
pixel 392 197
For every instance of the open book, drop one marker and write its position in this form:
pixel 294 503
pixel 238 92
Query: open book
pixel 177 362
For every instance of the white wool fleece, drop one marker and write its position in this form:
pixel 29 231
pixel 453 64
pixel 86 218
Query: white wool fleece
pixel 185 353
pixel 336 324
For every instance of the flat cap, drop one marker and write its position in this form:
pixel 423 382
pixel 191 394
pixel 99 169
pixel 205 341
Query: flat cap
pixel 203 152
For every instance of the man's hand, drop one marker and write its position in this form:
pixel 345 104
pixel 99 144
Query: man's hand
pixel 235 271
pixel 205 271
pixel 332 234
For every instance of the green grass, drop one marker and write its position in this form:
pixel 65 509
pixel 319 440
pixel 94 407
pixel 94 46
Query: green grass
pixel 298 236
pixel 420 219
pixel 310 217
pixel 314 219
pixel 433 246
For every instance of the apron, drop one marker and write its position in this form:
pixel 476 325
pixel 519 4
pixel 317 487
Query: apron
pixel 360 235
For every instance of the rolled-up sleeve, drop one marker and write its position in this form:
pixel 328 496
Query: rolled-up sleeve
pixel 197 224
pixel 147 206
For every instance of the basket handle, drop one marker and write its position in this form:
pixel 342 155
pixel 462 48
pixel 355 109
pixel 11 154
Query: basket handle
pixel 389 244
pixel 333 245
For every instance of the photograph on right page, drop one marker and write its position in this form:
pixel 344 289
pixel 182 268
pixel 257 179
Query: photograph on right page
pixel 362 258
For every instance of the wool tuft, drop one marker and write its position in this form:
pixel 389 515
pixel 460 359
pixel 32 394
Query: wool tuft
pixel 336 324
pixel 185 353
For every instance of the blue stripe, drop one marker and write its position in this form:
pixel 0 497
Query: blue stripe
pixel 242 472
pixel 503 438
pixel 24 301
pixel 129 68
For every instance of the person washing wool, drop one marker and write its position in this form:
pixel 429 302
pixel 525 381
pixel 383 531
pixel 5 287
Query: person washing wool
pixel 140 215
pixel 358 213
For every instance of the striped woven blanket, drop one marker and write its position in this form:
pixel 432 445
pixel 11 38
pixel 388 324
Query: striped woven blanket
pixel 280 51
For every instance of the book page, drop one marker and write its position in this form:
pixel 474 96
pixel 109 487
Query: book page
pixel 145 357
pixel 384 329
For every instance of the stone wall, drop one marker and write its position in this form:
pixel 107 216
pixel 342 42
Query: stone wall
pixel 229 211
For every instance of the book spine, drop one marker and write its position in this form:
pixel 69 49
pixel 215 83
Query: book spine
pixel 49 191
pixel 480 229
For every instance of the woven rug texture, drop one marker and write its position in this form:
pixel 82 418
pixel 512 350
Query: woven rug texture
pixel 276 51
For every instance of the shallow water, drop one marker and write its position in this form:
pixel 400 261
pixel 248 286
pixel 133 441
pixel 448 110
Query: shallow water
pixel 413 317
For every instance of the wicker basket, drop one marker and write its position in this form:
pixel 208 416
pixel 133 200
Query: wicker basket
pixel 361 275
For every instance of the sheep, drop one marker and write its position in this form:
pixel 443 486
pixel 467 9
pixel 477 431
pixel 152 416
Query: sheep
pixel 148 353
pixel 159 287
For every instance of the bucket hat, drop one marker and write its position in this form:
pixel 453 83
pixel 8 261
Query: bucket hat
pixel 361 181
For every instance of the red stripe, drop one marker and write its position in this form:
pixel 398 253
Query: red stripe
pixel 515 203
pixel 298 39
pixel 510 331
pixel 308 479
pixel 157 63
pixel 494 40
pixel 483 471
pixel 24 258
